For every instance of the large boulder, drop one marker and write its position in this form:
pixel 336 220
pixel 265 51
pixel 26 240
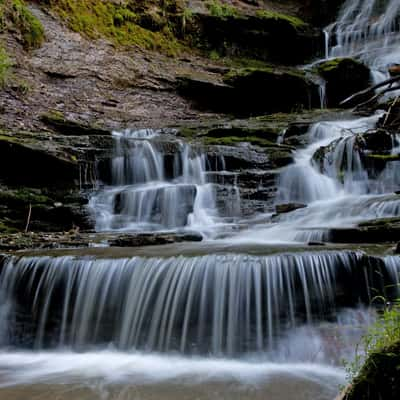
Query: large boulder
pixel 266 35
pixel 344 77
pixel 253 91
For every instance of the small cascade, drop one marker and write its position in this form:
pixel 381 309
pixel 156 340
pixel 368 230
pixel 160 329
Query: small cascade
pixel 302 182
pixel 154 189
pixel 216 304
pixel 333 184
pixel 370 31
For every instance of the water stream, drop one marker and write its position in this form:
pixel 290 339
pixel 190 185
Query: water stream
pixel 213 325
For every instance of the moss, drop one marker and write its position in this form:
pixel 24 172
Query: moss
pixel 327 67
pixel 221 10
pixel 116 22
pixel 384 157
pixel 16 16
pixel 296 22
pixel 5 67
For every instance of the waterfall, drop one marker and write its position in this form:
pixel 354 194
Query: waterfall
pixel 370 31
pixel 153 189
pixel 302 182
pixel 216 304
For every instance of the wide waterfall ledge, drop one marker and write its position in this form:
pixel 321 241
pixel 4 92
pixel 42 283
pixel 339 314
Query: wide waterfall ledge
pixel 220 305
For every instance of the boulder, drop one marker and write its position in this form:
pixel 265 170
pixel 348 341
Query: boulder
pixel 344 77
pixel 251 91
pixel 265 35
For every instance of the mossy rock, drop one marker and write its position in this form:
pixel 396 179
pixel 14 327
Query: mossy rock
pixel 266 35
pixel 344 77
pixel 379 378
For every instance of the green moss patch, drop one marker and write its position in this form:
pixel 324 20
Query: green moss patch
pixel 16 16
pixel 296 22
pixel 118 23
pixel 221 10
pixel 5 67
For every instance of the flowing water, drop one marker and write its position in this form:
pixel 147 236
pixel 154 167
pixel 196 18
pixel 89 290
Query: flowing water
pixel 368 30
pixel 208 324
pixel 148 184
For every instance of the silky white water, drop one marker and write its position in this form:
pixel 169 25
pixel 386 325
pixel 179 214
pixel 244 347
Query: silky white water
pixel 152 190
pixel 370 31
pixel 230 325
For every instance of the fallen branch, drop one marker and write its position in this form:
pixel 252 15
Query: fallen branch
pixel 371 90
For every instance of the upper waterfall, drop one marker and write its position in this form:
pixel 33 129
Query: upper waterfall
pixel 368 30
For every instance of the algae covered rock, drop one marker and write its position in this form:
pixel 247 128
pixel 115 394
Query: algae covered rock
pixel 265 35
pixel 344 77
pixel 380 376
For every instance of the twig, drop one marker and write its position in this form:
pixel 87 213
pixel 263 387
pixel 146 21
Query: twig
pixel 29 218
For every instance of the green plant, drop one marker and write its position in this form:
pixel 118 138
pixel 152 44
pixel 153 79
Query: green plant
pixel 380 336
pixel 5 67
pixel 221 10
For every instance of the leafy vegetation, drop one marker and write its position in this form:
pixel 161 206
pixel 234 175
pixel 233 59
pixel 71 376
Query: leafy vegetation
pixel 15 16
pixel 383 334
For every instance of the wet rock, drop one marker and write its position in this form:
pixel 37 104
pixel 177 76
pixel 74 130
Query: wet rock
pixel 266 35
pixel 266 89
pixel 383 230
pixel 289 207
pixel 150 239
pixel 60 123
pixel 394 70
pixel 344 77
pixel 252 91
pixel 49 210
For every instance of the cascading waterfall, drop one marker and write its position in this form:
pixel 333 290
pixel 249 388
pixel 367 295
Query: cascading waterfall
pixel 150 191
pixel 329 178
pixel 370 31
pixel 217 304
